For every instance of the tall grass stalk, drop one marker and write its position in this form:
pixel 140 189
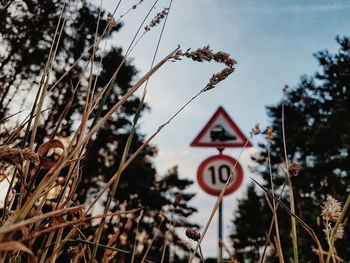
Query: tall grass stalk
pixel 339 221
pixel 39 98
pixel 110 83
pixel 272 223
pixel 136 234
pixel 275 218
pixel 133 128
pixel 217 204
pixel 29 215
pixel 152 240
pixel 305 226
pixel 289 182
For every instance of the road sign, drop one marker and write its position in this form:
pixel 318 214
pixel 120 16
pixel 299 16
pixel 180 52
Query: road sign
pixel 214 171
pixel 221 132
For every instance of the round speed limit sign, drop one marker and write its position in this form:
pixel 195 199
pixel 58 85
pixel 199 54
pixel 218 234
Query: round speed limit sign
pixel 214 171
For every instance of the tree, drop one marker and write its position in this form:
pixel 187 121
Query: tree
pixel 253 231
pixel 317 122
pixel 27 30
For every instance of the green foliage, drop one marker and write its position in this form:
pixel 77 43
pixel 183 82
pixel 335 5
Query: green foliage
pixel 317 124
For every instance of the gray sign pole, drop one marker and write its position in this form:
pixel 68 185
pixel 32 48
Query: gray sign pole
pixel 220 232
pixel 220 219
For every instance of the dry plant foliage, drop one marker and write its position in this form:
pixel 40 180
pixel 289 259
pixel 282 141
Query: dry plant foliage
pixel 58 162
pixel 25 221
pixel 16 156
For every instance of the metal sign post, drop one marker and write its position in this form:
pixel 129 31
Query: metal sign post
pixel 212 176
pixel 220 233
pixel 220 132
pixel 220 222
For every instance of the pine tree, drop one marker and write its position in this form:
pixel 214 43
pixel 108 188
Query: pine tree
pixel 253 229
pixel 317 122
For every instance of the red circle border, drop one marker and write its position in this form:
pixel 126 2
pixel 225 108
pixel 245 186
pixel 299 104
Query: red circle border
pixel 229 190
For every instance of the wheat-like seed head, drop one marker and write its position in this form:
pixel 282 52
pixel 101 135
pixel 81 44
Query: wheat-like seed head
pixel 255 130
pixel 157 19
pixel 216 78
pixel 17 156
pixel 193 234
pixel 294 169
pixel 206 54
pixel 331 209
pixel 269 134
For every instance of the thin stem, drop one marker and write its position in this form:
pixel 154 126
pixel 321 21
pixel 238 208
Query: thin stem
pixel 216 206
pixel 110 83
pixel 339 221
pixel 279 247
pixel 201 253
pixel 271 226
pixel 135 241
pixel 150 245
pixel 167 234
pixel 136 153
pixel 291 194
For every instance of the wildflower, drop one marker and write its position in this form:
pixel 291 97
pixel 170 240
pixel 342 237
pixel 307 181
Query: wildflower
pixel 294 169
pixel 255 130
pixel 269 134
pixel 123 238
pixel 193 234
pixel 331 210
pixel 177 200
pixel 111 22
pixel 340 232
pixel 73 251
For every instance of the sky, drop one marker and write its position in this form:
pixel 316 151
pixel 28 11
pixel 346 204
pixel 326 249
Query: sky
pixel 273 42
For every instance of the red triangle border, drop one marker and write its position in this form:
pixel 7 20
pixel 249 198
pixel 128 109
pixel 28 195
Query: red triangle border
pixel 196 142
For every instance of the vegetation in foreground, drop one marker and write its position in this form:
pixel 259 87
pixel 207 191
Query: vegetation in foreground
pixel 79 149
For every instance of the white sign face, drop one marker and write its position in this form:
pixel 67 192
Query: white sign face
pixel 214 172
pixel 221 132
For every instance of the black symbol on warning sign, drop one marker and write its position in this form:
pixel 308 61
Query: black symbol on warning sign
pixel 218 133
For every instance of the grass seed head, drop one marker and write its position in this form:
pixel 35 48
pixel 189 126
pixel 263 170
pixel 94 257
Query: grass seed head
pixel 216 78
pixel 206 54
pixel 111 23
pixel 193 234
pixel 294 169
pixel 223 57
pixel 269 134
pixel 255 130
pixel 331 209
pixel 177 200
pixel 17 156
pixel 157 19
pixel 340 232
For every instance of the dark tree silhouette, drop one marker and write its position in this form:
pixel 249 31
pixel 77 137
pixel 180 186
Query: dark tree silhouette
pixel 252 230
pixel 317 122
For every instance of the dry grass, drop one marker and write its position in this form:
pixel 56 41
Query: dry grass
pixel 23 222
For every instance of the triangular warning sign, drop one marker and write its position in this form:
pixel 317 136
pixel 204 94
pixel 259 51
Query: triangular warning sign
pixel 221 132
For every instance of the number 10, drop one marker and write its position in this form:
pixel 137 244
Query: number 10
pixel 223 171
